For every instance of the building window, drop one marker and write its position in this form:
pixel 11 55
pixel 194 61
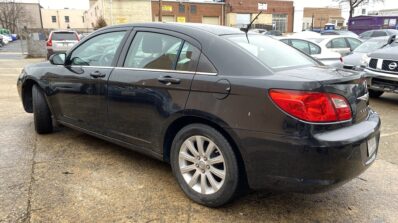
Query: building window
pixel 193 9
pixel 181 8
pixel 54 19
pixel 67 19
pixel 279 22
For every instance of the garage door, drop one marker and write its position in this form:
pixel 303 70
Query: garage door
pixel 166 18
pixel 213 20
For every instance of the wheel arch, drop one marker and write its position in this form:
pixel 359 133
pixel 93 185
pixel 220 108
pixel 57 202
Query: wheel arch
pixel 27 99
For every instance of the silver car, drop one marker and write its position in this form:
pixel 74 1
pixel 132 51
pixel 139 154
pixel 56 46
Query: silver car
pixel 337 43
pixel 61 41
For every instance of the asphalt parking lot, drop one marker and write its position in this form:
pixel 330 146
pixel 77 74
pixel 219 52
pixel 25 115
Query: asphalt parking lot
pixel 69 176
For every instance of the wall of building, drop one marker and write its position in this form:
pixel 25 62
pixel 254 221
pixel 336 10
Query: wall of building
pixel 58 19
pixel 195 12
pixel 322 16
pixel 275 10
pixel 119 12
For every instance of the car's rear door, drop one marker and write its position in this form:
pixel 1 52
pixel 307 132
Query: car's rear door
pixel 339 45
pixel 150 84
pixel 79 87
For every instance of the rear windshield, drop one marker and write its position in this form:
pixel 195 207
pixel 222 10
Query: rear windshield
pixel 273 53
pixel 64 36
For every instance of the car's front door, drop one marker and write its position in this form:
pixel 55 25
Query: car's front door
pixel 150 84
pixel 79 87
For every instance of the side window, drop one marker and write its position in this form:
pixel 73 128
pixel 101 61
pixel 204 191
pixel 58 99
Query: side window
pixel 301 45
pixel 153 51
pixel 354 43
pixel 97 51
pixel 339 43
pixel 188 59
pixel 366 34
pixel 286 41
pixel 205 65
pixel 314 49
pixel 378 33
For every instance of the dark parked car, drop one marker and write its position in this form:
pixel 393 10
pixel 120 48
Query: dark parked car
pixel 226 110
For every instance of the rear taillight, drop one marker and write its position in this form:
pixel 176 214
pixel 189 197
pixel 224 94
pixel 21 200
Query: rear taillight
pixel 49 43
pixel 312 106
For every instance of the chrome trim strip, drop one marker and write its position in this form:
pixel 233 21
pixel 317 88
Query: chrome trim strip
pixel 379 64
pixel 146 69
pixel 165 71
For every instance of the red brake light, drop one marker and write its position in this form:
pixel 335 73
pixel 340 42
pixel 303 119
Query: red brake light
pixel 312 106
pixel 49 43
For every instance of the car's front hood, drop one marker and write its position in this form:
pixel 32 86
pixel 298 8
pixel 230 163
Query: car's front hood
pixel 388 53
pixel 353 59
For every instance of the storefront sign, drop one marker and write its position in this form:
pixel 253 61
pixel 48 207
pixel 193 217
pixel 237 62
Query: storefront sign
pixel 167 8
pixel 262 6
pixel 181 19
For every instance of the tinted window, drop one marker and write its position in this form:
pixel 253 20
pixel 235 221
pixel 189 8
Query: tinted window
pixel 354 43
pixel 271 52
pixel 97 51
pixel 64 36
pixel 378 33
pixel 188 58
pixel 301 45
pixel 285 41
pixel 205 65
pixel 339 43
pixel 153 51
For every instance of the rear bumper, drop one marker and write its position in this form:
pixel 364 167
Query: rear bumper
pixel 320 163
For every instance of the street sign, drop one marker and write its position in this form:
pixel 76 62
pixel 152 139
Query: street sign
pixel 262 6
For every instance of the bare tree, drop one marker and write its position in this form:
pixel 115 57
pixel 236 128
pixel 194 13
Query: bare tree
pixel 11 13
pixel 353 4
pixel 100 23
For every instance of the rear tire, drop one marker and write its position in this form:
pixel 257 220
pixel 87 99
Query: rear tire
pixel 41 112
pixel 213 183
pixel 375 93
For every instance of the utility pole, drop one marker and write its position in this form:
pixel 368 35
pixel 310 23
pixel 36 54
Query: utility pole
pixel 111 12
pixel 160 11
pixel 312 25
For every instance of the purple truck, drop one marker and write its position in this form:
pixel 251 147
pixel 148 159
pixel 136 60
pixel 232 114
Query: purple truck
pixel 360 24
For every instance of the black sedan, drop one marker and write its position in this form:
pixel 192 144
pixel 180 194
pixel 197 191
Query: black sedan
pixel 227 109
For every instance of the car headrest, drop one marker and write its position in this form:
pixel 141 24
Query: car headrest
pixel 152 44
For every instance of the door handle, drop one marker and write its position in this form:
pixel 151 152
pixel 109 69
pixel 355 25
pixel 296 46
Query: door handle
pixel 97 74
pixel 169 80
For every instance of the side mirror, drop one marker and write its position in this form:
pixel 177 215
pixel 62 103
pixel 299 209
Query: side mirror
pixel 57 59
pixel 391 39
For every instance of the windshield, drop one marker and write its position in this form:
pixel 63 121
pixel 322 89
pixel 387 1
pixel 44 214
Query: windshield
pixel 64 36
pixel 371 45
pixel 273 53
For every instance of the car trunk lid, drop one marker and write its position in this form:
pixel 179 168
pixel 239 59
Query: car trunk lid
pixel 350 84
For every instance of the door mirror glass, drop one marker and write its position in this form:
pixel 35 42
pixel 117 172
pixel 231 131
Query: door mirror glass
pixel 58 59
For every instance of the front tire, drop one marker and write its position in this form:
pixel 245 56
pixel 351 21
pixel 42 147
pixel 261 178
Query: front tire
pixel 375 93
pixel 41 112
pixel 205 165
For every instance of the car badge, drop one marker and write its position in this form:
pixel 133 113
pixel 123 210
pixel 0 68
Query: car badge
pixel 392 66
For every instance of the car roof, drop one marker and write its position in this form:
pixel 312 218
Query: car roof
pixel 63 31
pixel 185 27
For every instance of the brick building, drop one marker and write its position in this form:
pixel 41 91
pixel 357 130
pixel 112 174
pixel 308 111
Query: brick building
pixel 195 12
pixel 279 14
pixel 321 17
